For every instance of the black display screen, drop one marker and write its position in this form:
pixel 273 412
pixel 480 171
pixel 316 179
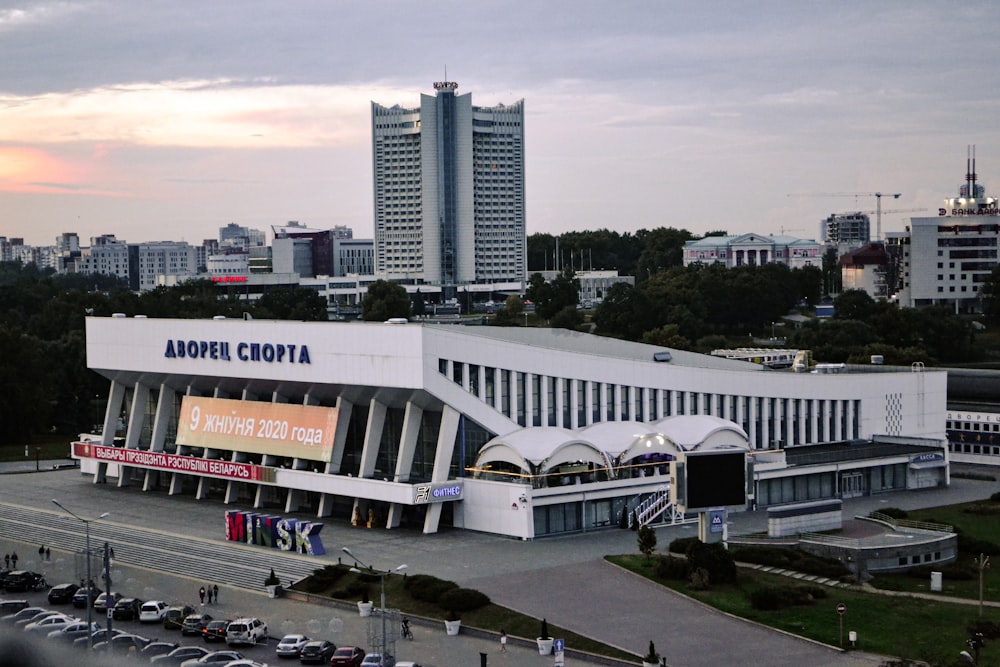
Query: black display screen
pixel 716 479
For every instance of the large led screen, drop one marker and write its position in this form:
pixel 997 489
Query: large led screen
pixel 715 479
pixel 278 429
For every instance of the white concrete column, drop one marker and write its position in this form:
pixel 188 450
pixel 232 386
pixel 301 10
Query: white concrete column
pixel 412 418
pixel 442 462
pixel 373 437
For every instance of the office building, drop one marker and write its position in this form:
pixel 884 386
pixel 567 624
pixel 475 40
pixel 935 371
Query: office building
pixel 753 250
pixel 946 259
pixel 449 191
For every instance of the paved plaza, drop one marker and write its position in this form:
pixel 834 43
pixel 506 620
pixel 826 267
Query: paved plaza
pixel 564 579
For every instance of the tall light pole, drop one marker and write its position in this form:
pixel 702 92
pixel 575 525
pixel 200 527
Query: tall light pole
pixel 382 574
pixel 90 590
pixel 982 563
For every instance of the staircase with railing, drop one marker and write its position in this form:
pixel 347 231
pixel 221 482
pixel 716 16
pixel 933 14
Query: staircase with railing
pixel 653 507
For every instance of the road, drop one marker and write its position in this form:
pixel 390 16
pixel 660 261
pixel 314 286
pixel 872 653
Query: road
pixel 564 579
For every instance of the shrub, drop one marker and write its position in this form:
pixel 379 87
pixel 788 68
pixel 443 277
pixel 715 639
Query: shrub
pixel 670 568
pixel 982 509
pixel 545 630
pixel 791 559
pixel 463 599
pixel 774 598
pixel 995 497
pixel 714 559
pixel 894 512
pixel 700 579
pixel 972 545
pixel 682 544
pixel 427 588
pixel 353 590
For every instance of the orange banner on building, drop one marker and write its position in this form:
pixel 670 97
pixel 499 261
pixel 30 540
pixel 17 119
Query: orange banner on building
pixel 278 429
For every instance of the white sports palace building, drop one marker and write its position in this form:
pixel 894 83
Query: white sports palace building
pixel 523 432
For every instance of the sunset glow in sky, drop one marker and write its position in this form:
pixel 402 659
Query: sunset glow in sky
pixel 167 120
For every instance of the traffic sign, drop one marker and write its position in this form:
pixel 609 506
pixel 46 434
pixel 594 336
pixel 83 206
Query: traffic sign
pixel 841 608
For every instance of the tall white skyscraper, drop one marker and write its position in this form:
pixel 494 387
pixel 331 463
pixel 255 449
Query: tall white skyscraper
pixel 449 190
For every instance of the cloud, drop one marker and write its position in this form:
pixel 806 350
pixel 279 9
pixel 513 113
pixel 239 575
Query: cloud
pixel 192 113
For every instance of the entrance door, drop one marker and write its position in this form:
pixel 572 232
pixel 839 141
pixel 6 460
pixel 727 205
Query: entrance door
pixel 852 484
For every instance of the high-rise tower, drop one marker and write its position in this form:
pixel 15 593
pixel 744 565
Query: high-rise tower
pixel 449 190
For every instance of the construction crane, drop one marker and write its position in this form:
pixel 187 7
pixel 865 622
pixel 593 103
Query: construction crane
pixel 887 211
pixel 878 205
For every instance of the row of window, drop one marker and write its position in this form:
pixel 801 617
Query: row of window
pixel 535 400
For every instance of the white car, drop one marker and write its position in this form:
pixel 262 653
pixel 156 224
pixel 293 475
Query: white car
pixel 250 631
pixel 290 646
pixel 152 611
pixel 376 660
pixel 213 659
pixel 50 623
pixel 407 663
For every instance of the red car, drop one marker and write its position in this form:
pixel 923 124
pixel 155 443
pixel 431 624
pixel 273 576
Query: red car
pixel 347 656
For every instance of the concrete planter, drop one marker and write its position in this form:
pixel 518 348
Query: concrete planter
pixel 544 645
pixel 452 628
pixel 365 609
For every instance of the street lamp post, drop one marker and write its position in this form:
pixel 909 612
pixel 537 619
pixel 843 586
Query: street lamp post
pixel 382 574
pixel 90 590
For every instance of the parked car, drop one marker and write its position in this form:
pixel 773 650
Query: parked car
pixel 347 656
pixel 105 600
pixel 173 617
pixel 153 649
pixel 8 607
pixel 215 631
pixel 407 663
pixel 195 623
pixel 127 609
pixel 152 611
pixel 99 636
pixel 80 597
pixel 378 660
pixel 22 581
pixel 123 643
pixel 317 650
pixel 62 594
pixel 32 614
pixel 290 645
pixel 213 659
pixel 246 631
pixel 178 655
pixel 68 633
pixel 46 625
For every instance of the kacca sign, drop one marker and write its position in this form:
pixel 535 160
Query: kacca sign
pixel 274 532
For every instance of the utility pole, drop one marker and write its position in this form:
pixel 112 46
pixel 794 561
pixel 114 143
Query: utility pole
pixel 107 586
pixel 982 563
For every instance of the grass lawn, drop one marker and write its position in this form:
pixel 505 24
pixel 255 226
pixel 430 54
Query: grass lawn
pixel 913 629
pixel 49 446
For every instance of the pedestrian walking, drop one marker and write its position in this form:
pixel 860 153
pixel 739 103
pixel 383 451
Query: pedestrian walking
pixel 201 595
pixel 6 561
pixel 41 553
pixel 13 560
pixel 503 641
pixel 48 554
pixel 208 592
pixel 215 590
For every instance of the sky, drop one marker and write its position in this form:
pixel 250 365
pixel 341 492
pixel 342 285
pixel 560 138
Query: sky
pixel 166 120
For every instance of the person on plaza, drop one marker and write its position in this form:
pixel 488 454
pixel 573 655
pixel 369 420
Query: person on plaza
pixel 407 632
pixel 6 561
pixel 201 595
pixel 13 560
pixel 48 554
pixel 503 641
pixel 41 552
pixel 215 591
pixel 208 592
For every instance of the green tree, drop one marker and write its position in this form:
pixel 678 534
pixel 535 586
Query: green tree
pixel 646 539
pixel 385 300
pixel 510 314
pixel 853 304
pixel 291 303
